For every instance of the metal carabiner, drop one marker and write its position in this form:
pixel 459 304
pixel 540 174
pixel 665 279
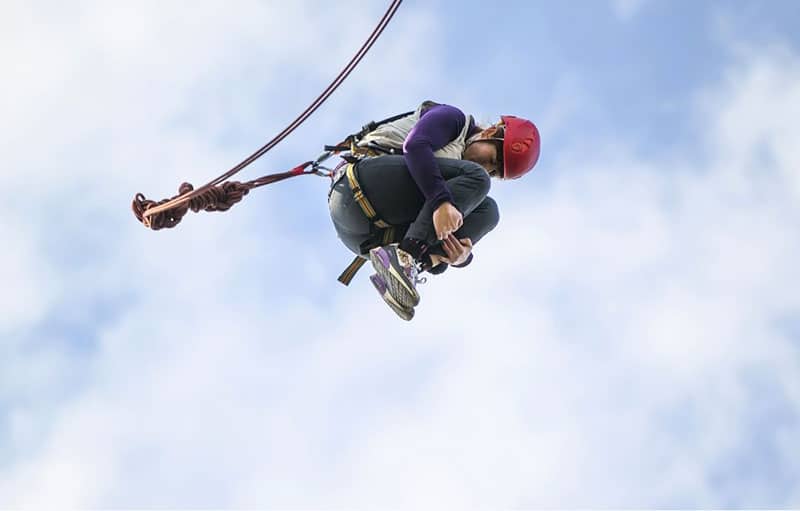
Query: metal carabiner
pixel 318 169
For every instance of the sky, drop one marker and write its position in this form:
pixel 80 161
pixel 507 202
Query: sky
pixel 628 336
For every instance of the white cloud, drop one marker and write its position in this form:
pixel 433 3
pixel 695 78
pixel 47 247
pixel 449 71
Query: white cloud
pixel 626 10
pixel 24 275
pixel 627 315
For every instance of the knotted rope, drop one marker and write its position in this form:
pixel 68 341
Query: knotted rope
pixel 218 198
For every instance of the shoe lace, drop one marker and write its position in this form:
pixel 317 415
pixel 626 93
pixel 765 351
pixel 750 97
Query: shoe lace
pixel 414 267
pixel 418 268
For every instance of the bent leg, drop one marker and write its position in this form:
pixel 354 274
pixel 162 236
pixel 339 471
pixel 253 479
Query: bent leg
pixel 397 199
pixel 478 224
pixel 468 184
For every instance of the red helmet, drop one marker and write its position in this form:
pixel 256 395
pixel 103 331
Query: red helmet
pixel 520 146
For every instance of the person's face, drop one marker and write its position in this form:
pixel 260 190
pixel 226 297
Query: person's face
pixel 485 153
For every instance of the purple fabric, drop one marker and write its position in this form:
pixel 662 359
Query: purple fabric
pixel 436 128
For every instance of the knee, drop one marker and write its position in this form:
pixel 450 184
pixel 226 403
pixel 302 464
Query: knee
pixel 492 212
pixel 478 174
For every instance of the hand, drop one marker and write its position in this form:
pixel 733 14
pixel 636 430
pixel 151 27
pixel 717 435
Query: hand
pixel 457 250
pixel 446 220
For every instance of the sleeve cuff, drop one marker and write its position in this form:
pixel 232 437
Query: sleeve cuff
pixel 442 267
pixel 438 269
pixel 440 199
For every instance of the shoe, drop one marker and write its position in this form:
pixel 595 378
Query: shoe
pixel 380 285
pixel 399 271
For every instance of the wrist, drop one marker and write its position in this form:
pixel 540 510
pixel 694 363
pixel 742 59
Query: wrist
pixel 465 263
pixel 441 205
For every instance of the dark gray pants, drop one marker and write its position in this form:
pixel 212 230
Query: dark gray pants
pixel 388 185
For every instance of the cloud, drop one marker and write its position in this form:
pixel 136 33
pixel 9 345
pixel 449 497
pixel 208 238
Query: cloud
pixel 626 342
pixel 626 10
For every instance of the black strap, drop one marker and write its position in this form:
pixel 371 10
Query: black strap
pixel 370 126
pixel 337 148
pixel 383 149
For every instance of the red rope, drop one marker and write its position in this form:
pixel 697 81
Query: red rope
pixel 144 209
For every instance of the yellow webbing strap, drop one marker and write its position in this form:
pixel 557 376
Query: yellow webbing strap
pixel 350 272
pixel 362 200
pixel 388 236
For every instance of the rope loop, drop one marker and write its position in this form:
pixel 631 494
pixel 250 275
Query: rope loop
pixel 217 198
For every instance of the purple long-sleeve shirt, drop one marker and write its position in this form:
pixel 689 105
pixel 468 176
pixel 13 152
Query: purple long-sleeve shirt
pixel 437 127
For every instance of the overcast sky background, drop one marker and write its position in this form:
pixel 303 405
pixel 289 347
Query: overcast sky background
pixel 629 335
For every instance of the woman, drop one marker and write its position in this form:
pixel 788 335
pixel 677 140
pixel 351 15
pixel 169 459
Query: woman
pixel 434 194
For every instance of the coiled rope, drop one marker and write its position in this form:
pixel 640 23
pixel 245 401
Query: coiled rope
pixel 214 196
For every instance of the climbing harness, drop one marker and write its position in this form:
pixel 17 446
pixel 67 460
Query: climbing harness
pixel 221 195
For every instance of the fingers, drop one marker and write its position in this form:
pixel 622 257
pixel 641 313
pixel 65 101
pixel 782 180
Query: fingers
pixel 455 250
pixel 441 229
pixel 446 232
pixel 449 247
pixel 452 223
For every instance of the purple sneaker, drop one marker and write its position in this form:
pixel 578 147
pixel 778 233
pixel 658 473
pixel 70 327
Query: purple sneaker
pixel 380 285
pixel 399 271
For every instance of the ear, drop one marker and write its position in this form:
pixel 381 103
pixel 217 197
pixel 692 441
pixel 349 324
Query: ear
pixel 489 132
